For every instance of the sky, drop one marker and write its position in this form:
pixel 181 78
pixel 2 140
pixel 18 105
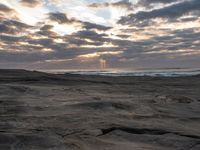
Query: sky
pixel 99 34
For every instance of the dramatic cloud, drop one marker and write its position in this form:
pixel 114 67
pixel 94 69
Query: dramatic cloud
pixel 156 1
pixel 88 25
pixel 121 4
pixel 61 18
pixel 31 3
pixel 64 34
pixel 5 9
pixel 169 12
pixel 13 27
pixel 151 3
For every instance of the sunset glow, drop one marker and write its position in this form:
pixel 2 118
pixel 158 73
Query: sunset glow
pixel 87 31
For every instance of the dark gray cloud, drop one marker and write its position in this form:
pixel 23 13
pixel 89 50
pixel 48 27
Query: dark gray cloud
pixel 141 52
pixel 31 3
pixel 63 19
pixel 20 49
pixel 151 3
pixel 48 33
pixel 86 34
pixel 88 26
pixel 4 8
pixel 7 12
pixel 126 4
pixel 81 38
pixel 176 40
pixel 46 30
pixel 46 27
pixel 43 41
pixel 158 1
pixel 170 12
pixel 13 27
pixel 40 44
pixel 10 39
pixel 124 36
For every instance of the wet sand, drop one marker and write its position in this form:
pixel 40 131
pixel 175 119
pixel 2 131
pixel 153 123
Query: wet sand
pixel 40 111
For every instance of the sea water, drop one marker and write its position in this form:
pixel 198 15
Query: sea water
pixel 141 72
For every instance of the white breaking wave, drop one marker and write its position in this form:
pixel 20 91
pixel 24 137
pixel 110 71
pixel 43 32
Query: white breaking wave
pixel 152 73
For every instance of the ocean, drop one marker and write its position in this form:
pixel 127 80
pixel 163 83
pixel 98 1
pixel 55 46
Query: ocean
pixel 145 72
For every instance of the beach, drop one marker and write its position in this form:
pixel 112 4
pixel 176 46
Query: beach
pixel 43 111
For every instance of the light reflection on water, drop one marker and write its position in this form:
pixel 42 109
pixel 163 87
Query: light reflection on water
pixel 146 72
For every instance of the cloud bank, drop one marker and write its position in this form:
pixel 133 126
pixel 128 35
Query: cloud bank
pixel 151 34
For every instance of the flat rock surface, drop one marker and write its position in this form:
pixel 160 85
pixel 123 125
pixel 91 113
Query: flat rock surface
pixel 40 111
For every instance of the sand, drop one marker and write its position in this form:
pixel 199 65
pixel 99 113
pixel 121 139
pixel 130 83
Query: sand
pixel 40 111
